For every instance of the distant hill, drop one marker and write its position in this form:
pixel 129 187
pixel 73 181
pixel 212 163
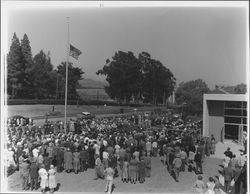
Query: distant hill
pixel 91 84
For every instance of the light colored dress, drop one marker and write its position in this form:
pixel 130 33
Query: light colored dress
pixel 44 178
pixel 52 178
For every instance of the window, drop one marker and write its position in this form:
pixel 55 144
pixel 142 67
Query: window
pixel 236 120
pixel 233 112
pixel 231 104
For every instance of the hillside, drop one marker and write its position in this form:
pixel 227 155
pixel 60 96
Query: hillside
pixel 91 84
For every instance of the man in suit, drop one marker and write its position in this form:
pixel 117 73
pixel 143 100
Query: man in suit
pixel 34 174
pixel 228 176
pixel 24 170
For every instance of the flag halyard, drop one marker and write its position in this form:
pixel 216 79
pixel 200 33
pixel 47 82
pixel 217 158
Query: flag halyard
pixel 74 52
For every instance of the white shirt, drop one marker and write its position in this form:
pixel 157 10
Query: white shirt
pixel 35 152
pixel 105 155
pixel 241 160
pixel 154 144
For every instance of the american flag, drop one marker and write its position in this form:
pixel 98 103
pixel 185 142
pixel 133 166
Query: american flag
pixel 74 52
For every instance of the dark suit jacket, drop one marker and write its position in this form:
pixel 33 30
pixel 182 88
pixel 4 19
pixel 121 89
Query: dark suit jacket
pixel 33 170
pixel 228 173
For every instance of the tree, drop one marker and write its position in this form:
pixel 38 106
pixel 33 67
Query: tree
pixel 191 93
pixel 240 89
pixel 14 66
pixel 74 75
pixel 122 75
pixel 158 80
pixel 27 62
pixel 129 76
pixel 42 76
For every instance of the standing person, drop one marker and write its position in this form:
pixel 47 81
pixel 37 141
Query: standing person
pixel 105 156
pixel 76 161
pixel 99 169
pixel 34 175
pixel 199 185
pixel 148 148
pixel 44 178
pixel 46 161
pixel 125 170
pixel 155 148
pixel 91 152
pixel 133 170
pixel 228 176
pixel 109 172
pixel 52 178
pixel 148 165
pixel 24 170
pixel 177 165
pixel 213 144
pixel 40 159
pixel 68 158
pixel 59 159
pixel 183 155
pixel 198 161
pixel 83 159
pixel 237 181
pixel 142 170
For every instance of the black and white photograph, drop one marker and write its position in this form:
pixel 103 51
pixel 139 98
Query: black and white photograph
pixel 125 97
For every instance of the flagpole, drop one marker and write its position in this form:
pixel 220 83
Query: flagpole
pixel 66 84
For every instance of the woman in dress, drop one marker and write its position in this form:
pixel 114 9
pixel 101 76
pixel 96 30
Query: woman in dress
pixel 133 170
pixel 76 161
pixel 68 157
pixel 99 168
pixel 44 178
pixel 52 178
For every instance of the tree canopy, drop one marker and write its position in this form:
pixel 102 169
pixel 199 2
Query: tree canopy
pixel 36 77
pixel 191 93
pixel 137 78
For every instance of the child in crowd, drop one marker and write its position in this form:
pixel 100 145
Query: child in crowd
pixel 199 185
pixel 210 186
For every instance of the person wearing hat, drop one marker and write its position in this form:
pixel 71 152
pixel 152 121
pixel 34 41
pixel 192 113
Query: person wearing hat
pixel 177 165
pixel 52 178
pixel 43 174
pixel 34 174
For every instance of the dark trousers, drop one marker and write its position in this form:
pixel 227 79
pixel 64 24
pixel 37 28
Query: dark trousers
pixel 183 161
pixel 83 165
pixel 25 182
pixel 237 187
pixel 33 182
pixel 59 165
pixel 227 186
pixel 199 166
pixel 176 173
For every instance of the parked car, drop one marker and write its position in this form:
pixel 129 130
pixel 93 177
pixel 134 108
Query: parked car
pixel 85 115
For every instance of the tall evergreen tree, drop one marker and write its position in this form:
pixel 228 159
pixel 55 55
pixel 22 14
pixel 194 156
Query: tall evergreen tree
pixel 40 75
pixel 15 67
pixel 28 66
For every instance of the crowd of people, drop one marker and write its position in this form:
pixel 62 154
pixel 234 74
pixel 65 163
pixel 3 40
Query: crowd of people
pixel 116 146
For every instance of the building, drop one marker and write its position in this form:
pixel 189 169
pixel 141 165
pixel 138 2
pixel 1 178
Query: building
pixel 225 116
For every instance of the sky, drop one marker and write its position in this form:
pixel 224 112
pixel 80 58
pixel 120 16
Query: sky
pixel 193 42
